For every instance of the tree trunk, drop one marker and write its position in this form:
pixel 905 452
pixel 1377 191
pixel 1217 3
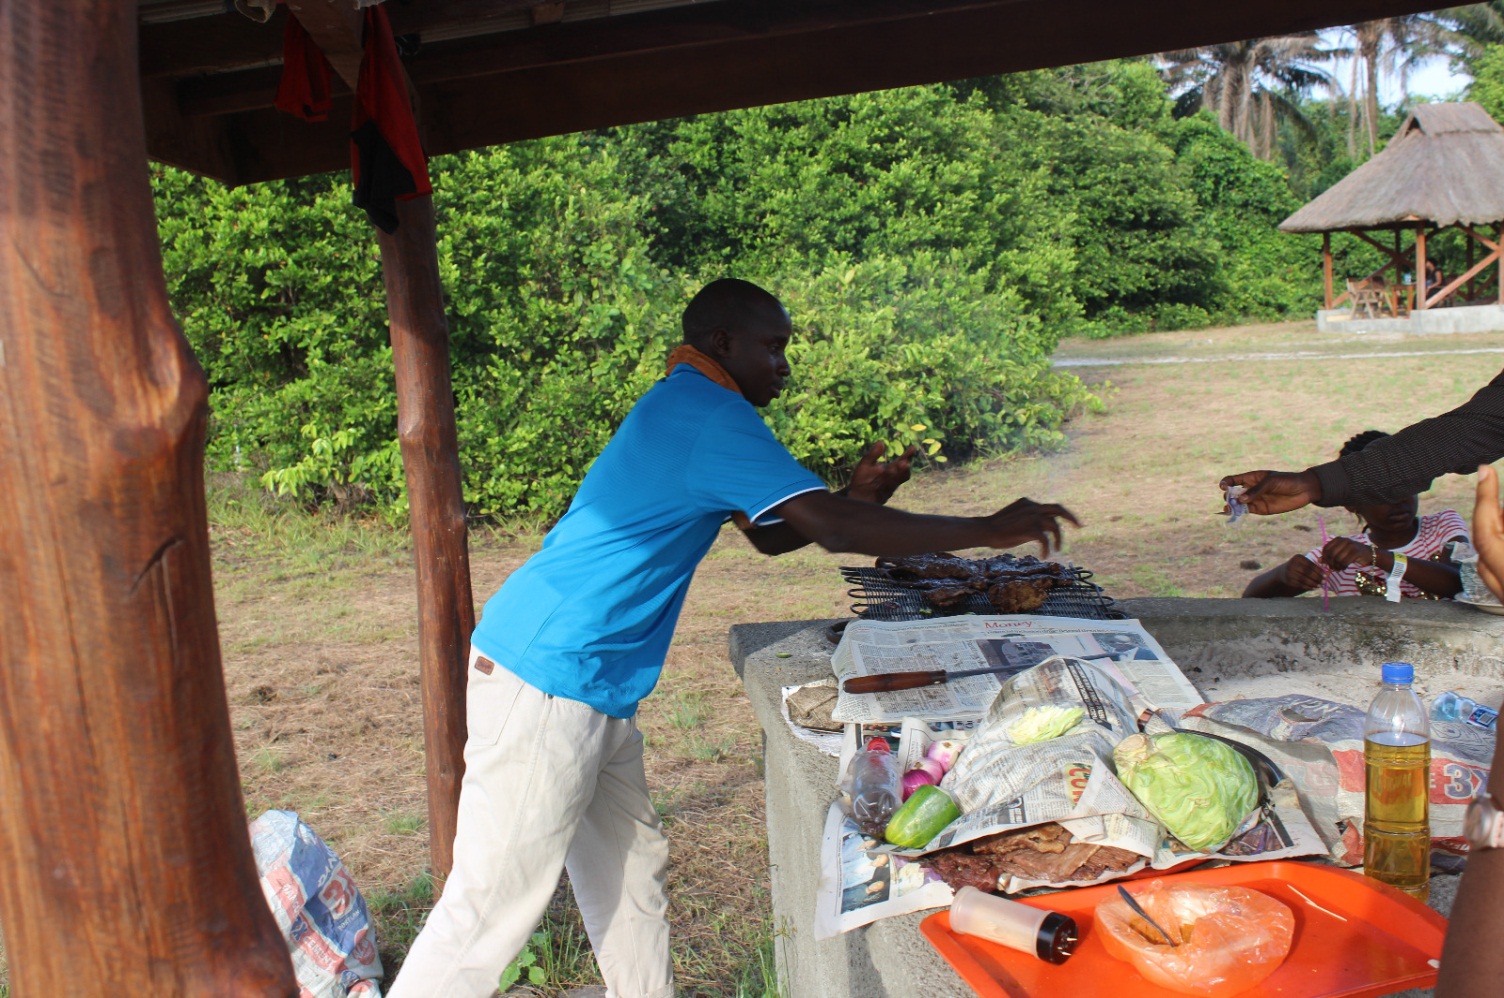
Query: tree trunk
pixel 128 870
pixel 430 456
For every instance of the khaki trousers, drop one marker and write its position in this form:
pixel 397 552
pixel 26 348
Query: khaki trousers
pixel 550 784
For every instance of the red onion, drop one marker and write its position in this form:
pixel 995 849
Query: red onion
pixel 916 778
pixel 945 754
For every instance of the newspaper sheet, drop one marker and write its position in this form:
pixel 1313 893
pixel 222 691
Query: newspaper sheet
pixel 860 884
pixel 1006 787
pixel 1319 744
pixel 1010 644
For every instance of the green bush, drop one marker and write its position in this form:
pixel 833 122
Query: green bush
pixel 932 244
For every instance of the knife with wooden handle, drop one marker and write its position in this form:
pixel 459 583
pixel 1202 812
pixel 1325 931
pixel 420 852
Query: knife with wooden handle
pixel 888 682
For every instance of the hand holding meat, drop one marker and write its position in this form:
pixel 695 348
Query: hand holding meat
pixel 1025 521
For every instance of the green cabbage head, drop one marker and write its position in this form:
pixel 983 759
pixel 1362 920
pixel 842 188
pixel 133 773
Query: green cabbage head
pixel 1200 788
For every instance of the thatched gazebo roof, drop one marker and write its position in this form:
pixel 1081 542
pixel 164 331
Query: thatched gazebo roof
pixel 1445 166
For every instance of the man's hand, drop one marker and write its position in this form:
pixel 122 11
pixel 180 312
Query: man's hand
pixel 1488 532
pixel 1341 552
pixel 875 480
pixel 1024 521
pixel 1272 492
pixel 1301 573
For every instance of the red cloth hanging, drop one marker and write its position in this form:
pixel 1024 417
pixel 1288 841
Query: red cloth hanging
pixel 304 90
pixel 386 157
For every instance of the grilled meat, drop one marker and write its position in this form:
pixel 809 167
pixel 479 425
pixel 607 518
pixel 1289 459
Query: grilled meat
pixel 1042 852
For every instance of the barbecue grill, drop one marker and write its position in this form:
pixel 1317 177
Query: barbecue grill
pixel 881 597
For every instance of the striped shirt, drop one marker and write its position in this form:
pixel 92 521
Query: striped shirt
pixel 1430 541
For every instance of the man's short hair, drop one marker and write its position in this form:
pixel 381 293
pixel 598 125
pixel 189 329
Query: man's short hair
pixel 730 304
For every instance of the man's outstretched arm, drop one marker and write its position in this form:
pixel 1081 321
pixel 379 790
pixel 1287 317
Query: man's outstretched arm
pixel 1390 469
pixel 873 480
pixel 837 523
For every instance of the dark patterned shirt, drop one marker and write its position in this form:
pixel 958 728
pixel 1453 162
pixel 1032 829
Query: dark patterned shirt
pixel 1393 468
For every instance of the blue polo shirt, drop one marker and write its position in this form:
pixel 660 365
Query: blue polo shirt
pixel 591 615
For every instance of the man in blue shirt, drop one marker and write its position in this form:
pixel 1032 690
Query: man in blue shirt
pixel 577 636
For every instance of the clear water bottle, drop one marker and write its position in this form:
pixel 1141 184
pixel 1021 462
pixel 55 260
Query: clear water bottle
pixel 874 782
pixel 1451 706
pixel 1396 816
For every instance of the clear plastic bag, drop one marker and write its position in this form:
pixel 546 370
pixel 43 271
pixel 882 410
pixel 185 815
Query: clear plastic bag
pixel 1228 939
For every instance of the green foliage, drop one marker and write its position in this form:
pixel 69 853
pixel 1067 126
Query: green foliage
pixel 1488 81
pixel 526 963
pixel 932 244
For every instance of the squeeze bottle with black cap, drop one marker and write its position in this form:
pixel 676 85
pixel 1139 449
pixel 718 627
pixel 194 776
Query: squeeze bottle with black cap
pixel 1396 815
pixel 1046 934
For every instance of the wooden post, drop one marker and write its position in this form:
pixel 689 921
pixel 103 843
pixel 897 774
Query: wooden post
pixel 1467 292
pixel 127 867
pixel 1326 266
pixel 1420 266
pixel 430 456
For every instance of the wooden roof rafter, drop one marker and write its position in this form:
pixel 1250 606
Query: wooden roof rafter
pixel 493 71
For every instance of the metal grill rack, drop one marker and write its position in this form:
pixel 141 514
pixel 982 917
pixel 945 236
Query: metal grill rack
pixel 879 597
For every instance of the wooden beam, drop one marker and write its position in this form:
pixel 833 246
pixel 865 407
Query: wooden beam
pixel 737 53
pixel 128 870
pixel 1471 272
pixel 335 26
pixel 430 457
pixel 200 143
pixel 1396 260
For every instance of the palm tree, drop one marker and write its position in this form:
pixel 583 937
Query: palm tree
pixel 1251 85
pixel 1394 46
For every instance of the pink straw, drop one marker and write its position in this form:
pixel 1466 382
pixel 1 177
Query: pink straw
pixel 1326 606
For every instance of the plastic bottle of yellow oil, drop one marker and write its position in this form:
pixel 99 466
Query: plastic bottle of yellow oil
pixel 1397 813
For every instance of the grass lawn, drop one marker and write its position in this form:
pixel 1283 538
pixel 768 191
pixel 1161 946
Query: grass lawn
pixel 320 641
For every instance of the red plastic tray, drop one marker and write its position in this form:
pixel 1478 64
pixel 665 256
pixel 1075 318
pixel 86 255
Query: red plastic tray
pixel 1384 945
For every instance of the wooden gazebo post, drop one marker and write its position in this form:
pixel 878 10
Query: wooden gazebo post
pixel 1420 265
pixel 430 457
pixel 1326 267
pixel 127 867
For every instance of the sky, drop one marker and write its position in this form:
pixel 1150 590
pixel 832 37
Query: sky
pixel 1434 78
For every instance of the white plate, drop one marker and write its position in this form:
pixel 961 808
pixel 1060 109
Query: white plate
pixel 1485 607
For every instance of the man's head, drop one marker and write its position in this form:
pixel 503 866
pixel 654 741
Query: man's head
pixel 1389 517
pixel 745 330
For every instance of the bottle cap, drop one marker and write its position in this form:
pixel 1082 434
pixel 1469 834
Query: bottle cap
pixel 1398 672
pixel 877 743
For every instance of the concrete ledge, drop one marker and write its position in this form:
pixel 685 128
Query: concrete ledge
pixel 1228 647
pixel 1427 322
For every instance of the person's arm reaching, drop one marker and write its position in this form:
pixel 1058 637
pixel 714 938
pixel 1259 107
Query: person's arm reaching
pixel 839 524
pixel 1298 575
pixel 1390 469
pixel 873 480
pixel 1472 961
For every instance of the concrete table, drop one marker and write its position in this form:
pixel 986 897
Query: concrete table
pixel 1228 648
